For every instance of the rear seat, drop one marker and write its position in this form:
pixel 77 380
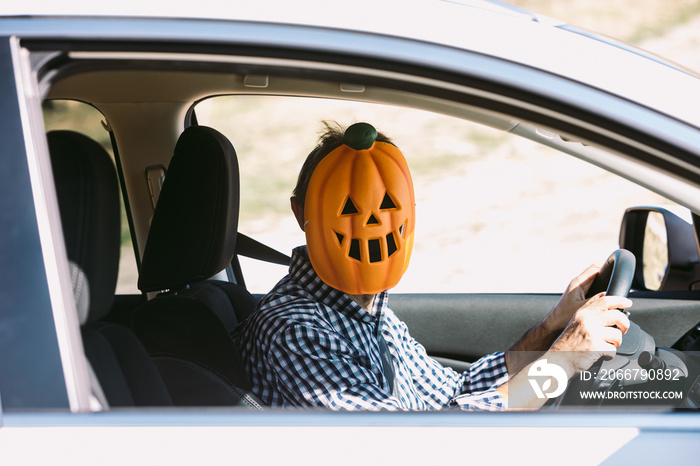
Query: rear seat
pixel 88 198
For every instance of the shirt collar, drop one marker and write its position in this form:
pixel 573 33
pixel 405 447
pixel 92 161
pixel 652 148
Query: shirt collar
pixel 301 271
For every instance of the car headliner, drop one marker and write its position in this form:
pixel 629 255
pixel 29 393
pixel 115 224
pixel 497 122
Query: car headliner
pixel 470 25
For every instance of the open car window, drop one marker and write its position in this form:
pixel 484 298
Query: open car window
pixel 495 212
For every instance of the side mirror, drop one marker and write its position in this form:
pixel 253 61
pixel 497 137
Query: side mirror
pixel 664 242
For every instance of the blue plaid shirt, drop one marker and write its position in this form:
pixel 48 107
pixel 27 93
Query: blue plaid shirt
pixel 308 344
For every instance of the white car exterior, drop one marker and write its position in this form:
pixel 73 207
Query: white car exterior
pixel 645 110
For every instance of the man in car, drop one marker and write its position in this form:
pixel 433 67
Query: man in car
pixel 325 336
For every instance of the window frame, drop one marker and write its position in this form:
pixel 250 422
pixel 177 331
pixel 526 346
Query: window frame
pixel 450 74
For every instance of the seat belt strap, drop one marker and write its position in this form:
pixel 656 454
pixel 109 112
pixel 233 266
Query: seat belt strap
pixel 387 364
pixel 248 247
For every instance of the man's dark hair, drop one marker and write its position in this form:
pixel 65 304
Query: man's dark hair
pixel 331 139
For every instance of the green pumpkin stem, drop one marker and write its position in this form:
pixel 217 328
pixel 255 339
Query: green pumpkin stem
pixel 360 136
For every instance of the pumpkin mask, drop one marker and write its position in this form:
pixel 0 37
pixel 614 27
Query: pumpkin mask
pixel 359 214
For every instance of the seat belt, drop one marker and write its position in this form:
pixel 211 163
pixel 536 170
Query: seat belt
pixel 387 365
pixel 248 247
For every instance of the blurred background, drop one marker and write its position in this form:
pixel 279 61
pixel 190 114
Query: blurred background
pixel 495 187
pixel 669 28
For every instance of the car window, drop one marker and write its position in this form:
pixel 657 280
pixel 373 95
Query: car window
pixel 86 119
pixel 494 212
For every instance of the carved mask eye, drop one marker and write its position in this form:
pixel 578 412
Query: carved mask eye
pixel 387 203
pixel 349 208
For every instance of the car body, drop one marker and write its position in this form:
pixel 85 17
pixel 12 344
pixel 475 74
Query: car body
pixel 633 115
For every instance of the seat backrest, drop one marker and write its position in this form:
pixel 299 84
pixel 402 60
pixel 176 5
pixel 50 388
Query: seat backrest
pixel 187 327
pixel 88 198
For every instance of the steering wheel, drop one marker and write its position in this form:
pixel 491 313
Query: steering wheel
pixel 637 358
pixel 615 278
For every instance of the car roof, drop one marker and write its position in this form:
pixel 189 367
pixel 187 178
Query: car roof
pixel 486 27
pixel 299 12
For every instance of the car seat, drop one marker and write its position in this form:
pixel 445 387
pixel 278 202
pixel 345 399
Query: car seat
pixel 187 326
pixel 88 198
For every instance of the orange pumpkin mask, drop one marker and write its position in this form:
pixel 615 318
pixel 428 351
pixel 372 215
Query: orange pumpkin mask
pixel 359 214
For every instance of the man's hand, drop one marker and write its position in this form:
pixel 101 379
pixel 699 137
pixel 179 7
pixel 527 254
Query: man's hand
pixel 541 336
pixel 595 331
pixel 571 301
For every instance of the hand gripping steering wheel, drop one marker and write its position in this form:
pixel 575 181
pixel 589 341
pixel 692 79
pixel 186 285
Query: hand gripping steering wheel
pixel 615 278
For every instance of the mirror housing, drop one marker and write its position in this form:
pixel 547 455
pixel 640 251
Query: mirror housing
pixel 664 242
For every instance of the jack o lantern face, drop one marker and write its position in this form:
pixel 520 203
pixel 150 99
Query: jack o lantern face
pixel 360 217
pixel 377 249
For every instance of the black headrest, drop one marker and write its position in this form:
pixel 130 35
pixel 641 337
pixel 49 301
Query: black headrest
pixel 88 198
pixel 194 227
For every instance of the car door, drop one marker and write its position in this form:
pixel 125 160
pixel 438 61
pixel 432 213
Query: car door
pixel 27 317
pixel 170 434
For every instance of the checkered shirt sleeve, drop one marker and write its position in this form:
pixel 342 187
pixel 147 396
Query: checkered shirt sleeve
pixel 310 345
pixel 473 389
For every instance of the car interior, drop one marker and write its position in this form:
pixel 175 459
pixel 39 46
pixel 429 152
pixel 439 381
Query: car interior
pixel 165 341
pixel 86 186
pixel 187 329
